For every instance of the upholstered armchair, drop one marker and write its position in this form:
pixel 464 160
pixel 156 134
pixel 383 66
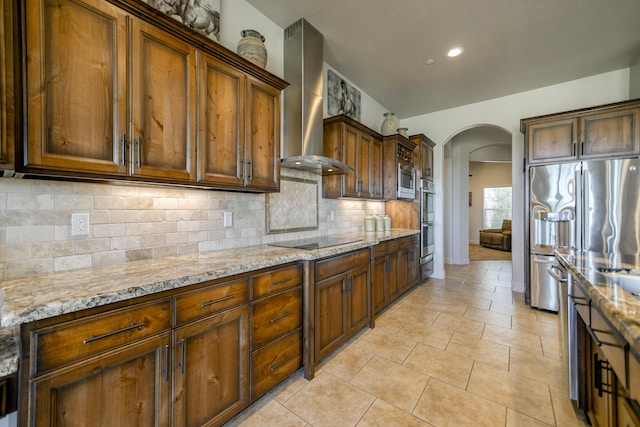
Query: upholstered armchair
pixel 497 238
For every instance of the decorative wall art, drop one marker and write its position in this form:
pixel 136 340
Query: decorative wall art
pixel 294 208
pixel 342 98
pixel 201 15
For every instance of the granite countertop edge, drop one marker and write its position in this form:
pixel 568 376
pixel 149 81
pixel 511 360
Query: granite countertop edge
pixel 39 297
pixel 620 307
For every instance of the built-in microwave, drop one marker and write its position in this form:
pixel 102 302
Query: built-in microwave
pixel 406 182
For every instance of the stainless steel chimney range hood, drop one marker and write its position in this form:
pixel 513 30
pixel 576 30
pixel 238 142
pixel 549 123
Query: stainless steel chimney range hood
pixel 302 143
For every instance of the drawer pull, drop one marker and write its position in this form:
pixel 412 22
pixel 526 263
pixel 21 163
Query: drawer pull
pixel 282 316
pixel 93 338
pixel 208 303
pixel 277 366
pixel 280 282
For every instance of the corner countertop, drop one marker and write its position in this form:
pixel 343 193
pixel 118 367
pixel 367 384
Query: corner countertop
pixel 39 297
pixel 620 307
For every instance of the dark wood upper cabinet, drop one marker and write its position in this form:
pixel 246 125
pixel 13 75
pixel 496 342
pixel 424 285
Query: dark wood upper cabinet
pixel 606 131
pixel 114 90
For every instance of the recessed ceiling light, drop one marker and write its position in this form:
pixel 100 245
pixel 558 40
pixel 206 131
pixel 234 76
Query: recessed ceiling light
pixel 430 61
pixel 455 52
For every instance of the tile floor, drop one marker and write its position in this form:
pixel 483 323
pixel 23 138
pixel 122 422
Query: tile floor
pixel 464 351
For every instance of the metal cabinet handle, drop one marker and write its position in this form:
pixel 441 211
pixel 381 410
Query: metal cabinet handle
pixel 282 316
pixel 242 167
pixel 208 303
pixel 165 371
pixel 93 338
pixel 250 170
pixel 122 148
pixel 278 365
pixel 280 282
pixel 551 270
pixel 138 141
pixel 181 362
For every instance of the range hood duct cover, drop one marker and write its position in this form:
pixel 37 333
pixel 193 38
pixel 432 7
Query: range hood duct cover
pixel 302 143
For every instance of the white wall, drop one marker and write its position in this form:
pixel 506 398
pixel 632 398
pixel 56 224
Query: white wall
pixel 484 175
pixel 506 112
pixel 634 79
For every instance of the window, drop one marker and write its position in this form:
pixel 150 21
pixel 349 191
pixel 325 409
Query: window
pixel 496 206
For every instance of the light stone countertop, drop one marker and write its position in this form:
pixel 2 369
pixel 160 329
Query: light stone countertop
pixel 34 298
pixel 620 307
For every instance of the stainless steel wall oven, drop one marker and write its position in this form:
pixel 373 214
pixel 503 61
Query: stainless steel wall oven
pixel 427 216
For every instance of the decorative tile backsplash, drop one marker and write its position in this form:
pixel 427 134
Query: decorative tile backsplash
pixel 129 223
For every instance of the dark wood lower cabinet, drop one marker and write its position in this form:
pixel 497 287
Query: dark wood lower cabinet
pixel 125 387
pixel 189 358
pixel 395 270
pixel 342 299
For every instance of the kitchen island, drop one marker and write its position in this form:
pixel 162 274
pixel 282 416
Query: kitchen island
pixel 36 302
pixel 604 335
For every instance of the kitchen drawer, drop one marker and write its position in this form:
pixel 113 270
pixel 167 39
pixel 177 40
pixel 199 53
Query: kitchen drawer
pixel 380 250
pixel 334 266
pixel 581 302
pixel 275 316
pixel 206 301
pixel 71 341
pixel 276 280
pixel 275 362
pixel 613 346
pixel 408 243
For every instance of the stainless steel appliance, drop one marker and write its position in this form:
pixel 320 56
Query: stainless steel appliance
pixel 316 242
pixel 427 215
pixel 590 205
pixel 406 182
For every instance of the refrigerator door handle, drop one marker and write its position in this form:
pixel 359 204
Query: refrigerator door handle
pixel 579 208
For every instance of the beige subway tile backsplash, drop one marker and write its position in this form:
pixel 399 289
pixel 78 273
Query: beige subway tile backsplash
pixel 130 223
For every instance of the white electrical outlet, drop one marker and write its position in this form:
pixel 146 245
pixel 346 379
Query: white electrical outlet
pixel 228 219
pixel 80 224
pixel 332 216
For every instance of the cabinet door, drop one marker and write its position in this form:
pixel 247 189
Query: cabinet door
pixel 414 267
pixel 376 169
pixel 403 271
pixel 211 369
pixel 262 160
pixel 76 86
pixel 379 279
pixel 359 300
pixel 611 134
pixel 426 161
pixel 392 275
pixel 331 309
pixel 163 71
pixel 553 141
pixel 126 387
pixel 602 388
pixel 221 108
pixel 7 88
pixel 350 153
pixel 363 169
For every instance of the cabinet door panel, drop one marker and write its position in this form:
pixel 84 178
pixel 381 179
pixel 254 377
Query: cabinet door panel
pixel 163 88
pixel 76 86
pixel 376 169
pixel 379 289
pixel 331 303
pixel 275 316
pixel 351 140
pixel 211 369
pixel 616 133
pixel 127 387
pixel 364 165
pixel 359 299
pixel 263 136
pixel 275 362
pixel 221 122
pixel 553 141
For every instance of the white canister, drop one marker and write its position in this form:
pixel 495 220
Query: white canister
pixel 387 223
pixel 379 223
pixel 370 222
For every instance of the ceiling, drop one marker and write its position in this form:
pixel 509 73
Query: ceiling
pixel 510 46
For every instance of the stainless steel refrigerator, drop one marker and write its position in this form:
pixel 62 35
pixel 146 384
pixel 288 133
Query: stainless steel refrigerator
pixel 590 205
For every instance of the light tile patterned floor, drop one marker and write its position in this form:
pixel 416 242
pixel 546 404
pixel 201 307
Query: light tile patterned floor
pixel 464 351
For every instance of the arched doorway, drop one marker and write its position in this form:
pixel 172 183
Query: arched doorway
pixel 457 153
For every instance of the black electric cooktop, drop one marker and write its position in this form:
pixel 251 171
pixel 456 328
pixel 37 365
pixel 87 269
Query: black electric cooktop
pixel 316 242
